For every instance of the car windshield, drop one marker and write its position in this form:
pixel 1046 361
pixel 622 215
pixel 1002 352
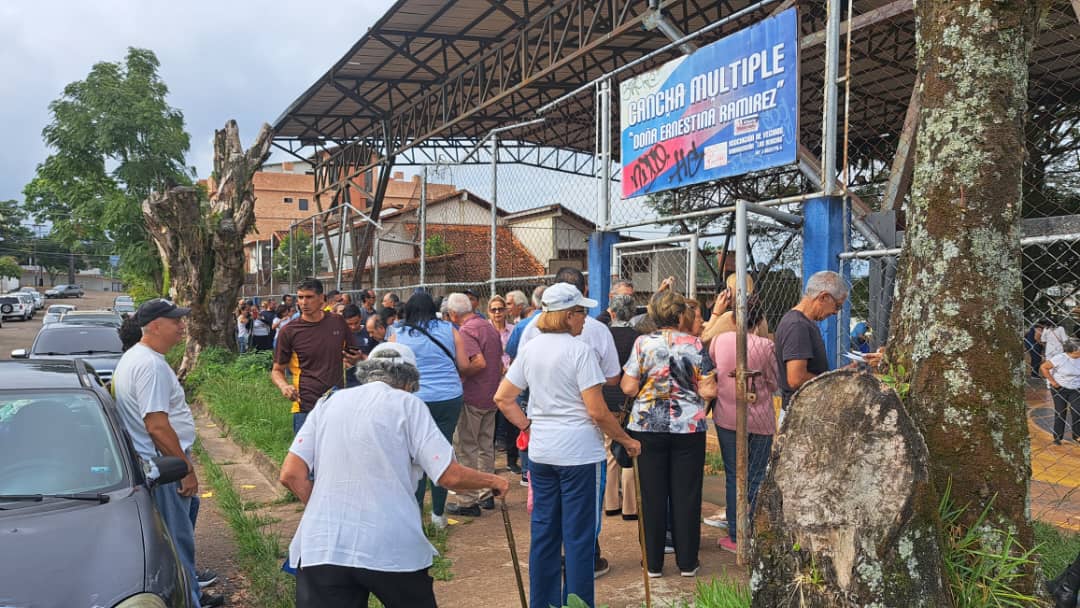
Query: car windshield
pixel 56 443
pixel 57 309
pixel 78 340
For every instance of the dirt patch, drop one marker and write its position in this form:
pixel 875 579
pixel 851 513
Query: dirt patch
pixel 484 575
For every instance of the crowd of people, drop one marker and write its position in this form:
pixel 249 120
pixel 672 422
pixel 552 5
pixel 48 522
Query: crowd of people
pixel 553 387
pixel 390 400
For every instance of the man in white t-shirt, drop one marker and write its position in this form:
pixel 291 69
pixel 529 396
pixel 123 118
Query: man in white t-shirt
pixel 368 447
pixel 1062 373
pixel 156 415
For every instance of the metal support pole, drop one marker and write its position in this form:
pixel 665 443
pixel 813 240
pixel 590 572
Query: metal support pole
pixel 314 248
pixel 375 264
pixel 742 517
pixel 342 227
pixel 604 156
pixel 691 267
pixel 832 68
pixel 292 254
pixel 423 226
pixel 271 263
pixel 494 206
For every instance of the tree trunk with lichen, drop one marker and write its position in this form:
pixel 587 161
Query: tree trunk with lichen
pixel 202 243
pixel 957 322
pixel 847 516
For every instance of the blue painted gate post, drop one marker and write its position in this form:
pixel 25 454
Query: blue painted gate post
pixel 600 250
pixel 823 241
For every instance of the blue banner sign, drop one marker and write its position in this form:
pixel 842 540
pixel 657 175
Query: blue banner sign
pixel 730 108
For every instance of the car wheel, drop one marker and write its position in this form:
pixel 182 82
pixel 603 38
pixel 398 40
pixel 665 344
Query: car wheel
pixel 6 308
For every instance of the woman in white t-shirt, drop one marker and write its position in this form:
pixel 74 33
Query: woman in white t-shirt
pixel 567 419
pixel 1062 371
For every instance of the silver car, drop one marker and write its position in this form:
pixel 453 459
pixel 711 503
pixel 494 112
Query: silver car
pixel 39 298
pixel 53 314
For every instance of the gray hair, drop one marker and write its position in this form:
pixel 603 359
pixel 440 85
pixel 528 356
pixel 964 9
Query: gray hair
pixel 621 283
pixel 1071 345
pixel 538 296
pixel 517 297
pixel 458 304
pixel 826 281
pixel 387 367
pixel 622 307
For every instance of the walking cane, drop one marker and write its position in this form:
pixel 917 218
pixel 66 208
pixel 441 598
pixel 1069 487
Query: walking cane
pixel 641 535
pixel 513 552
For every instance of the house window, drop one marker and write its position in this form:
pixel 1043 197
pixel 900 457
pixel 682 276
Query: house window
pixel 287 200
pixel 303 204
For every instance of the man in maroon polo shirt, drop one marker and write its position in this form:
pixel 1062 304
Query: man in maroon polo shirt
pixel 475 439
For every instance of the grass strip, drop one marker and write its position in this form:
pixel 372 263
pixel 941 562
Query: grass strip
pixel 259 553
pixel 1056 548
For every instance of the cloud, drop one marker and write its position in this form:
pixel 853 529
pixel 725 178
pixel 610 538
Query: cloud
pixel 245 60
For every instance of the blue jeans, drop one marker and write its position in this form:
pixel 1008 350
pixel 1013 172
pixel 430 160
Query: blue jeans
pixel 176 512
pixel 446 414
pixel 566 501
pixel 298 419
pixel 757 459
pixel 241 344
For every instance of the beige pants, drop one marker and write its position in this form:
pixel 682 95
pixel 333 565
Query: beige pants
pixel 615 475
pixel 474 445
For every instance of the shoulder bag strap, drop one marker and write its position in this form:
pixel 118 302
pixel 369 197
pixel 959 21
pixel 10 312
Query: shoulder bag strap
pixel 453 360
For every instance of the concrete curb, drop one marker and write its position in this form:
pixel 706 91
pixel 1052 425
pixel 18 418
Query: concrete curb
pixel 266 467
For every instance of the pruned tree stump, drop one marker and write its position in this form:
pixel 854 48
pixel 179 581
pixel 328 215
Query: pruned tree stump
pixel 847 515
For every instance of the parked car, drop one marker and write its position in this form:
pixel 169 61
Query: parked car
pixel 13 306
pixel 39 298
pixel 92 317
pixel 64 291
pixel 53 314
pixel 98 345
pixel 124 305
pixel 76 511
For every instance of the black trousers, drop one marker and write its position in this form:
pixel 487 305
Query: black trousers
pixel 671 467
pixel 343 587
pixel 1066 400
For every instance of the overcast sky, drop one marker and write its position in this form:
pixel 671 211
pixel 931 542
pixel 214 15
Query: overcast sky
pixel 236 59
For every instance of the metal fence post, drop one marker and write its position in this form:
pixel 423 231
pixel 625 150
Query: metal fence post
pixel 375 264
pixel 423 226
pixel 604 156
pixel 741 448
pixel 832 67
pixel 292 254
pixel 314 249
pixel 494 207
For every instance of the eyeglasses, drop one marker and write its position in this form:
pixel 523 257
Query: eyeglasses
pixel 497 310
pixel 577 311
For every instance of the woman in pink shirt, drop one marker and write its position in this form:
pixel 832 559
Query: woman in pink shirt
pixel 497 315
pixel 761 417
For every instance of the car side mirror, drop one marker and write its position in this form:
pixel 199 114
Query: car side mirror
pixel 19 353
pixel 170 469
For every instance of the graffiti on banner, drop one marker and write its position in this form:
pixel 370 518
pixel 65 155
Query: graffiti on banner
pixel 728 109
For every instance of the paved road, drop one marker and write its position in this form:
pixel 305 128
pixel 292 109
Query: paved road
pixel 20 334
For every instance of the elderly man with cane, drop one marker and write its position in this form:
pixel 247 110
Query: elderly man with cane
pixel 368 447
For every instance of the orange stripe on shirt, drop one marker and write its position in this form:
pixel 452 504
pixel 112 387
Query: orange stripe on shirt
pixel 294 369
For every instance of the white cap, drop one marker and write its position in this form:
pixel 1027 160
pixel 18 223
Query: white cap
pixel 562 296
pixel 393 350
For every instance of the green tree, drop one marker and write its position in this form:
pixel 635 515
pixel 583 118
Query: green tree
pixel 436 245
pixel 300 258
pixel 113 139
pixel 9 268
pixel 14 236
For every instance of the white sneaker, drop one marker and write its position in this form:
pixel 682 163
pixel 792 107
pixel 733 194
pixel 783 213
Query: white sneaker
pixel 717 521
pixel 655 574
pixel 439 521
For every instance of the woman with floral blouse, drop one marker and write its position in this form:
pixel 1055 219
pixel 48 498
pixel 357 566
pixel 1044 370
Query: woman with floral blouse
pixel 671 377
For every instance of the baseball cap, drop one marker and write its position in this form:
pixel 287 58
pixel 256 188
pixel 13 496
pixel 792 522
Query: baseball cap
pixel 470 292
pixel 392 351
pixel 562 296
pixel 158 308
